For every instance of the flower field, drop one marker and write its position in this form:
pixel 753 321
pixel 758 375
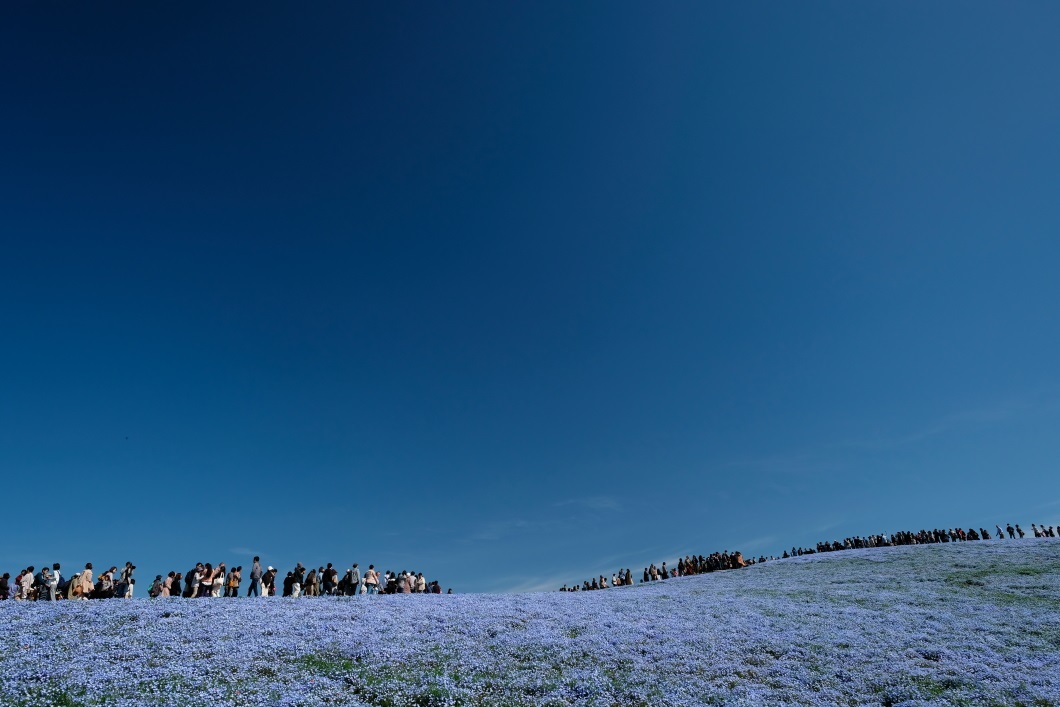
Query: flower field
pixel 973 623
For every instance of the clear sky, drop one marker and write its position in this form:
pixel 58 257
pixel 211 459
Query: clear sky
pixel 514 294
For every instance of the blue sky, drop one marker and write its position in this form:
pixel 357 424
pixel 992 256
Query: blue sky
pixel 512 295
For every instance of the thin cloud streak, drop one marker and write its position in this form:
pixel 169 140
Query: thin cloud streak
pixel 596 503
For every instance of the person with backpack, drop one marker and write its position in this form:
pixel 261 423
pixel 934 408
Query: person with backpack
pixel 191 581
pixel 234 578
pixel 156 588
pixel 124 589
pixel 355 580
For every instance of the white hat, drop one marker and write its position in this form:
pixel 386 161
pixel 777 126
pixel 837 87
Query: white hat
pixel 271 568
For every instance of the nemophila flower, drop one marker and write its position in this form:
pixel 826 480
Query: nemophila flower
pixel 947 624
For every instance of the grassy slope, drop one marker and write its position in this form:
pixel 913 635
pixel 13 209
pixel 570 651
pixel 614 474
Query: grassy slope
pixel 968 624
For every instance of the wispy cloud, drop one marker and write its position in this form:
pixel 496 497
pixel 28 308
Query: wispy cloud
pixel 243 551
pixel 503 528
pixel 596 503
pixel 958 421
pixel 833 456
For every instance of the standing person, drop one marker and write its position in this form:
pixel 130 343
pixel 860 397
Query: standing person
pixel 54 582
pixel 268 580
pixel 204 582
pixel 127 581
pixel 288 584
pixel 330 576
pixel 383 580
pixel 5 586
pixel 371 580
pixel 297 580
pixel 421 583
pixel 234 578
pixel 25 583
pixel 105 584
pixel 191 581
pixel 255 578
pixel 156 587
pixel 219 577
pixel 84 582
pixel 167 584
pixel 41 582
pixel 355 580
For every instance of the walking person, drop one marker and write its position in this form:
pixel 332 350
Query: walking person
pixel 254 590
pixel 355 580
pixel 84 583
pixel 331 577
pixel 297 579
pixel 124 587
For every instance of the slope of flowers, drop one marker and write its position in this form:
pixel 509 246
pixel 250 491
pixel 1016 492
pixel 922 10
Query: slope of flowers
pixel 967 624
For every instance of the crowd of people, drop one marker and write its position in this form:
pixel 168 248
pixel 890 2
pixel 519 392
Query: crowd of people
pixel 50 584
pixel 698 564
pixel 205 580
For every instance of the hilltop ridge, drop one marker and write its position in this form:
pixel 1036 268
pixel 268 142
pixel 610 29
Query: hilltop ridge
pixel 952 624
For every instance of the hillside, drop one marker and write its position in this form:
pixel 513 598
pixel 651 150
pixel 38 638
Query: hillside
pixel 974 623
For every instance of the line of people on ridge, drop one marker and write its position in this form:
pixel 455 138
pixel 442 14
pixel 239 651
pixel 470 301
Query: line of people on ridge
pixel 925 537
pixel 686 566
pixel 49 584
pixel 205 580
pixel 698 564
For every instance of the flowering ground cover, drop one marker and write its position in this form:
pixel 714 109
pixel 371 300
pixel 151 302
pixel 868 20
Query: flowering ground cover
pixel 964 624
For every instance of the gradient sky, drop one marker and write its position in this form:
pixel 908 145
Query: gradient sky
pixel 513 295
